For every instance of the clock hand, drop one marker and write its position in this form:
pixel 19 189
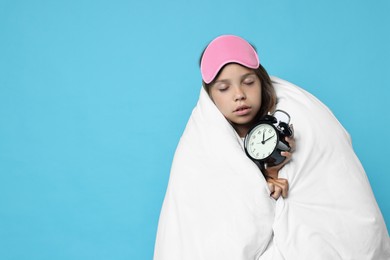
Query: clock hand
pixel 263 135
pixel 268 139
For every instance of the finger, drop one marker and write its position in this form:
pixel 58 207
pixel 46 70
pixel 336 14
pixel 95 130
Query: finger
pixel 291 142
pixel 292 129
pixel 271 186
pixel 281 181
pixel 286 154
pixel 283 184
pixel 276 194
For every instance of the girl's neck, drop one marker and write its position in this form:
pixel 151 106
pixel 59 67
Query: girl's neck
pixel 242 130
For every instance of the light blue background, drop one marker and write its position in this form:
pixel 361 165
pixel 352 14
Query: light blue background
pixel 94 96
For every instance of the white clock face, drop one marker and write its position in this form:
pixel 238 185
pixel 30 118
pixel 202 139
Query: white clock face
pixel 261 141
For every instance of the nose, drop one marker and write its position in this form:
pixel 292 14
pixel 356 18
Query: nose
pixel 239 94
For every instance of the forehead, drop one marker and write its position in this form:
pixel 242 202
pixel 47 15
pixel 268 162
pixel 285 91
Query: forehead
pixel 233 70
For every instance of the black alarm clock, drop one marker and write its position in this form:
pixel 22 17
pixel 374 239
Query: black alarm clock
pixel 266 140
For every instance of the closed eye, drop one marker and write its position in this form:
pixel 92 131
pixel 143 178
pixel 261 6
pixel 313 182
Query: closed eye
pixel 222 89
pixel 249 82
pixel 249 79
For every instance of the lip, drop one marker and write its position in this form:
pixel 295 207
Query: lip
pixel 242 110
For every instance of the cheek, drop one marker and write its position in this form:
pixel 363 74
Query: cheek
pixel 215 97
pixel 256 94
pixel 219 103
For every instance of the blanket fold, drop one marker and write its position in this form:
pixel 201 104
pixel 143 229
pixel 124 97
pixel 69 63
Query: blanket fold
pixel 218 206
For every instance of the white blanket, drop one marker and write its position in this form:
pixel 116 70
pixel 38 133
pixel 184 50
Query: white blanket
pixel 218 206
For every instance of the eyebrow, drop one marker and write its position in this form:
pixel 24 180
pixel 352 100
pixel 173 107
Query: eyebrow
pixel 248 74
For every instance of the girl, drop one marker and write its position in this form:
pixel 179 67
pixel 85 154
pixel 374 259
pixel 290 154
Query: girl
pixel 218 203
pixel 242 90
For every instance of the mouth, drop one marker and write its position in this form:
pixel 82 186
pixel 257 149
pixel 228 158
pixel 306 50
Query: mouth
pixel 242 110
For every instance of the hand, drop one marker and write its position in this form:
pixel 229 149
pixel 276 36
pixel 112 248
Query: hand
pixel 278 187
pixel 274 170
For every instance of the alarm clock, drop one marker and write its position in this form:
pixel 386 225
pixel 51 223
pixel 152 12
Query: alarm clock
pixel 266 140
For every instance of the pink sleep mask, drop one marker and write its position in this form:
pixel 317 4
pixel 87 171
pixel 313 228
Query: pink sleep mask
pixel 223 50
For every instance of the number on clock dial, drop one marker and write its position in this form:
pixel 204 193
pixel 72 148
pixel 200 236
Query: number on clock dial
pixel 262 141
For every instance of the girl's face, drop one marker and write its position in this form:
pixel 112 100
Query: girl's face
pixel 237 94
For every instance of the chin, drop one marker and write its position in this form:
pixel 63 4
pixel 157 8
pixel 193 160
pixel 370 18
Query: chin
pixel 248 120
pixel 243 123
